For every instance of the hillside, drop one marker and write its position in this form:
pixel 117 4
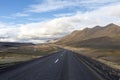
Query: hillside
pixel 102 42
pixel 13 44
pixel 98 36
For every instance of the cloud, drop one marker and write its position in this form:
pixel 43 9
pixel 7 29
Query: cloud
pixel 20 15
pixel 16 15
pixel 38 31
pixel 97 1
pixel 64 14
pixel 47 29
pixel 104 15
pixel 42 31
pixel 49 5
pixel 52 5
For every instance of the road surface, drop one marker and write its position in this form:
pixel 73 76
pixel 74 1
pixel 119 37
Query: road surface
pixel 63 65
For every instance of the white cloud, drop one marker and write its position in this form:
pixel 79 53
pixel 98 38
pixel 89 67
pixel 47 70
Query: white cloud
pixel 55 28
pixel 14 16
pixel 46 29
pixel 20 15
pixel 39 31
pixel 64 14
pixel 50 5
pixel 97 1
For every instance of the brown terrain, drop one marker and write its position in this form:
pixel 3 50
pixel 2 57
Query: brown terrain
pixel 100 43
pixel 12 52
pixel 107 34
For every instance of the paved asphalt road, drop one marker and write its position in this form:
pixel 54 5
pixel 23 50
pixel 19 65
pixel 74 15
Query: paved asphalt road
pixel 63 65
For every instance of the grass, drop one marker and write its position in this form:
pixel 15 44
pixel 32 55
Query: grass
pixel 111 57
pixel 10 56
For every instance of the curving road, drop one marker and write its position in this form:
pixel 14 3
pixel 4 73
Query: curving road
pixel 63 65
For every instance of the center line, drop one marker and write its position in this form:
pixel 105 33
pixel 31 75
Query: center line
pixel 56 61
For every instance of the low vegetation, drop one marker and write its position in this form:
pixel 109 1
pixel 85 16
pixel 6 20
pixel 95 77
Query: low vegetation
pixel 11 55
pixel 111 57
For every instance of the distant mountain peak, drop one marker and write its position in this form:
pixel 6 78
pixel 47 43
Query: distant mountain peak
pixel 97 26
pixel 75 31
pixel 111 25
pixel 86 28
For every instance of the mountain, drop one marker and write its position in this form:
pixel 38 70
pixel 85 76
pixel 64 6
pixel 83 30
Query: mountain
pixel 101 42
pixel 13 44
pixel 109 34
pixel 52 41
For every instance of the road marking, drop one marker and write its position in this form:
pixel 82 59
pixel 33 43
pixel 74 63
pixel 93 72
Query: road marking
pixel 56 61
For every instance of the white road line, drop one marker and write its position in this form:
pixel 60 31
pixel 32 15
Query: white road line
pixel 56 61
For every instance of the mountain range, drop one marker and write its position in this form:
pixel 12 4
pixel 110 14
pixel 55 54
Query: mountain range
pixel 13 44
pixel 99 36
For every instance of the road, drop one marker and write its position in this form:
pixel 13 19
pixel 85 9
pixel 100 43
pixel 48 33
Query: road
pixel 63 65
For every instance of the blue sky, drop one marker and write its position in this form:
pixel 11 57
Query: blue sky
pixel 41 20
pixel 17 11
pixel 9 8
pixel 13 6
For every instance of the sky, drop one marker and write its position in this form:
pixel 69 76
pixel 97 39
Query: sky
pixel 38 21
